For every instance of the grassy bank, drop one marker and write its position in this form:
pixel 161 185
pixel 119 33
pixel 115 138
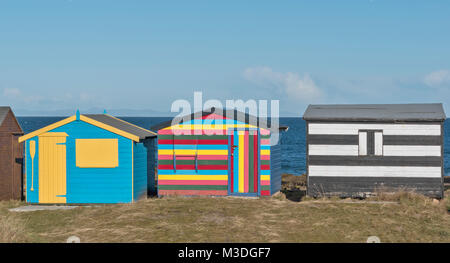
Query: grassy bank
pixel 403 217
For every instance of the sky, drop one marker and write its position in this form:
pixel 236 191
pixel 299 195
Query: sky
pixel 143 55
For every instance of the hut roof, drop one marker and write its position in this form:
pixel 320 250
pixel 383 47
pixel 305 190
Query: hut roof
pixel 103 121
pixel 375 112
pixel 3 112
pixel 233 114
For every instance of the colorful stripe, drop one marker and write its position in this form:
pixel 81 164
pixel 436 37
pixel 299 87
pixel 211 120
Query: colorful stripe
pixel 192 192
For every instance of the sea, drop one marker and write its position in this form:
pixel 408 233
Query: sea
pixel 293 142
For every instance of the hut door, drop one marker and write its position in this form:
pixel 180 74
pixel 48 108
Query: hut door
pixel 244 162
pixel 52 167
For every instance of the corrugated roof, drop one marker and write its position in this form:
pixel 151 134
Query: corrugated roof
pixel 237 115
pixel 3 112
pixel 122 125
pixel 375 112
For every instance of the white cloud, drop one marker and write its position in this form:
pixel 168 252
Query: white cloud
pixel 11 92
pixel 291 84
pixel 438 78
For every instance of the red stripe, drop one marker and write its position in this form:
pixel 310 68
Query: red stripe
pixel 213 117
pixel 265 167
pixel 265 182
pixel 193 132
pixel 255 163
pixel 193 192
pixel 265 157
pixel 209 142
pixel 246 161
pixel 265 141
pixel 192 167
pixel 199 157
pixel 192 182
pixel 232 161
pixel 265 192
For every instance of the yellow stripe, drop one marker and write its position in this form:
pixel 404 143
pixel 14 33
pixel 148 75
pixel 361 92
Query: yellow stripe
pixel 193 152
pixel 191 177
pixel 54 134
pixel 47 128
pixel 241 161
pixel 265 152
pixel 207 126
pixel 265 177
pixel 109 128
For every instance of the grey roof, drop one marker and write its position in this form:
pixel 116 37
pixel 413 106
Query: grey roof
pixel 232 114
pixel 122 125
pixel 375 112
pixel 3 112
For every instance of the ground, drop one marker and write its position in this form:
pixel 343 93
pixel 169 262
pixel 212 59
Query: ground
pixel 287 217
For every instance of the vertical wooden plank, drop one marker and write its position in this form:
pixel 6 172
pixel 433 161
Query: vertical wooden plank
pixel 378 141
pixel 251 160
pixel 246 162
pixel 370 143
pixel 241 161
pixel 236 162
pixel 362 147
pixel 231 162
pixel 255 161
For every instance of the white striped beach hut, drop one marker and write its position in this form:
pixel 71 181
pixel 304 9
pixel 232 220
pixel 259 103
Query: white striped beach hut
pixel 356 150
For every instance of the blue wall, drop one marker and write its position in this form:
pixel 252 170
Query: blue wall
pixel 89 185
pixel 140 171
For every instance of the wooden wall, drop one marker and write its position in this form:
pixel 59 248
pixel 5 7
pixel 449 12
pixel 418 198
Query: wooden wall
pixel 11 159
pixel 410 158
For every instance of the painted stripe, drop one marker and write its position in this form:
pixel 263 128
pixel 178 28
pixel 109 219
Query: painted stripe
pixel 265 141
pixel 401 150
pixel 193 132
pixel 265 157
pixel 192 162
pixel 192 167
pixel 199 157
pixel 315 149
pixel 265 182
pixel 333 139
pixel 362 147
pixel 191 137
pixel 207 126
pixel 236 163
pixel 388 129
pixel 265 172
pixel 378 141
pixel 193 152
pixel 231 161
pixel 191 177
pixel 374 171
pixel 265 192
pixel 193 187
pixel 255 163
pixel 246 162
pixel 200 142
pixel 265 152
pixel 251 162
pixel 192 182
pixel 192 192
pixel 192 147
pixel 241 162
pixel 426 161
pixel 265 177
pixel 194 172
pixel 411 140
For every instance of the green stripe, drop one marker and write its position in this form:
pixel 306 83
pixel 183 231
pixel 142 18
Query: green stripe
pixel 192 137
pixel 193 187
pixel 250 163
pixel 265 162
pixel 200 162
pixel 265 136
pixel 265 187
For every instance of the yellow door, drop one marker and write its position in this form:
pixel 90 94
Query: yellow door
pixel 52 167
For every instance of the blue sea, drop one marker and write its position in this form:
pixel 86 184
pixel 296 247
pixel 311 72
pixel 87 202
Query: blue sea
pixel 293 142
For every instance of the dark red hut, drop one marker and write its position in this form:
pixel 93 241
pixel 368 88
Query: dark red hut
pixel 11 156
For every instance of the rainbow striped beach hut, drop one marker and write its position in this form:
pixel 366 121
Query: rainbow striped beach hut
pixel 211 153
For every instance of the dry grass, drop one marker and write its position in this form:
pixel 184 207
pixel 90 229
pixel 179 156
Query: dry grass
pixel 402 217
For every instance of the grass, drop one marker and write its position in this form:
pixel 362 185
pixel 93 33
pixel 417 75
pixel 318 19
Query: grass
pixel 402 217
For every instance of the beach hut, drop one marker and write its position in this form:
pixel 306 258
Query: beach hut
pixel 11 152
pixel 92 158
pixel 217 152
pixel 356 150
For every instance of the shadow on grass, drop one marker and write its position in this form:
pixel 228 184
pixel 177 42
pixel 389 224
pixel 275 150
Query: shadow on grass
pixel 295 195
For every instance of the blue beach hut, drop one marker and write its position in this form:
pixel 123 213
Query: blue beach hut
pixel 93 158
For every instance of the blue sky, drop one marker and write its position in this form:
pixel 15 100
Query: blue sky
pixel 139 55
